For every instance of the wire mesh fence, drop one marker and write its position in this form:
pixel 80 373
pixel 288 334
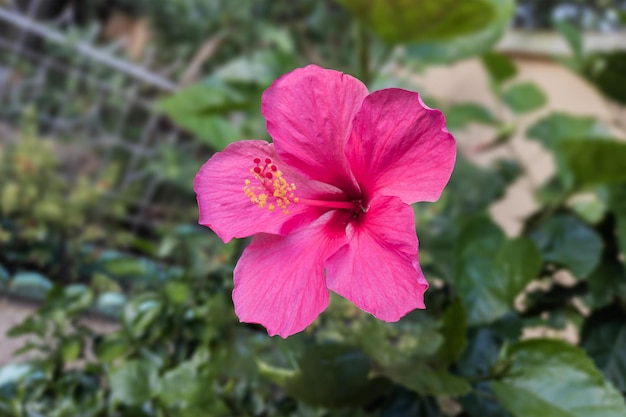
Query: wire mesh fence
pixel 85 95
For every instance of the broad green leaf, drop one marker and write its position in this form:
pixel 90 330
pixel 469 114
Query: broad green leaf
pixel 31 283
pixel 460 115
pixel 558 127
pixel 606 71
pixel 425 380
pixel 134 382
pixel 475 43
pixel 492 271
pixel 187 387
pixel 411 21
pixel 453 329
pixel 606 282
pixel 595 163
pixel 551 378
pixel 330 375
pixel 617 203
pixel 604 340
pixel 524 97
pixel 568 242
pixel 500 67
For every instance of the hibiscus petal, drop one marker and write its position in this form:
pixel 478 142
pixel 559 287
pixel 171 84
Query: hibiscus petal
pixel 224 206
pixel 279 281
pixel 400 147
pixel 378 270
pixel 309 113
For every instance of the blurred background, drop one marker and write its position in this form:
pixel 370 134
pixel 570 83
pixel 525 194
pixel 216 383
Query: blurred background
pixel 114 302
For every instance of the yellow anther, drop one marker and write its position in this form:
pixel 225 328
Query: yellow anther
pixel 272 190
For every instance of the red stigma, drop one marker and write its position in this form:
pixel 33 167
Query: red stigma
pixel 268 175
pixel 268 161
pixel 257 170
pixel 274 168
pixel 257 160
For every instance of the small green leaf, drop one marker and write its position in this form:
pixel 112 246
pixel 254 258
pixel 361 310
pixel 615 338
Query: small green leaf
pixel 499 66
pixel 134 382
pixel 177 292
pixel 70 349
pixel 140 313
pixel 421 20
pixel 460 115
pixel 551 378
pixel 524 98
pixel 573 37
pixel 595 162
pixel 604 340
pixel 566 241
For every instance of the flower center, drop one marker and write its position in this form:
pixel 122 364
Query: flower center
pixel 270 190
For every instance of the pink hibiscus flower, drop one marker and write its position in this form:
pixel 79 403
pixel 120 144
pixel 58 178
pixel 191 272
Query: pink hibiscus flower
pixel 327 203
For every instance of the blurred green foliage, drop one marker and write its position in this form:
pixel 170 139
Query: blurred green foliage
pixel 177 349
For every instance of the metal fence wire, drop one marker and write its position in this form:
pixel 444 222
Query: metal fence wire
pixel 85 94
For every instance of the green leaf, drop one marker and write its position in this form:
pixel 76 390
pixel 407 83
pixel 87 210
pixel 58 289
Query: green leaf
pixel 551 378
pixel 606 71
pixel 607 282
pixel 499 66
pixel 573 37
pixel 524 98
pixel 110 347
pixel 595 163
pixel 568 242
pixel 70 349
pixel 604 340
pixel 423 379
pixel 134 382
pixel 403 21
pixel 617 204
pixel 558 127
pixel 32 283
pixel 140 313
pixel 492 271
pixel 187 387
pixel 470 44
pixel 453 329
pixel 330 375
pixel 460 115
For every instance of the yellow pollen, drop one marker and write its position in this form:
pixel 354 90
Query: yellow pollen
pixel 272 190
